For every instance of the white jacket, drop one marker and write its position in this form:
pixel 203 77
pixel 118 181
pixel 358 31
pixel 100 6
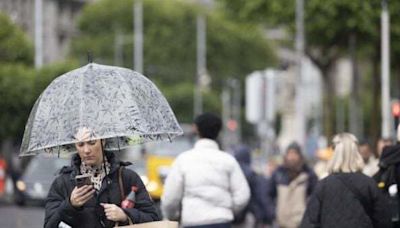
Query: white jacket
pixel 208 182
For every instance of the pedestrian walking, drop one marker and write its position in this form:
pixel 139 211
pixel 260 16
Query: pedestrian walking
pixel 256 213
pixel 205 187
pixel 370 161
pixel 321 166
pixel 97 204
pixel 347 197
pixel 382 143
pixel 291 184
pixel 3 175
pixel 388 177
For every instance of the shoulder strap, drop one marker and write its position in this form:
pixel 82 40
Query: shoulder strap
pixel 359 196
pixel 121 184
pixel 121 189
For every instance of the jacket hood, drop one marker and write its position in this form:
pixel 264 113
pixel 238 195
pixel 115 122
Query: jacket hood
pixel 243 154
pixel 390 156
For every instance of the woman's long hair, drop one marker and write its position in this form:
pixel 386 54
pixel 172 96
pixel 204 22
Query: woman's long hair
pixel 346 156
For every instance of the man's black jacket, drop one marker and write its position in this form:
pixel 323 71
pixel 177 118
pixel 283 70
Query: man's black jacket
pixel 389 166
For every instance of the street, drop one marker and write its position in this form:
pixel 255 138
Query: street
pixel 286 116
pixel 21 217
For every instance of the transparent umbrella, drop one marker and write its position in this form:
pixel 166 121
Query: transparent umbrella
pixel 114 103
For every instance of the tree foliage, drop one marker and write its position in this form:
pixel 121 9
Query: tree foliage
pixel 394 7
pixel 328 24
pixel 14 45
pixel 16 53
pixel 233 50
pixel 15 90
pixel 20 86
pixel 330 28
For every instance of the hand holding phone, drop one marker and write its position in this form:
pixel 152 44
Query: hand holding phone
pixel 84 179
pixel 80 195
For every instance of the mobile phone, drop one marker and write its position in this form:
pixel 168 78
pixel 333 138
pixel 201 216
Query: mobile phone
pixel 83 179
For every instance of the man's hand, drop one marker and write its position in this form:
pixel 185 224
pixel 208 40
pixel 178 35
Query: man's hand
pixel 114 213
pixel 80 196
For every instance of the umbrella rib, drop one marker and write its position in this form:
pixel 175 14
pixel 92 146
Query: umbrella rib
pixel 81 95
pixel 127 84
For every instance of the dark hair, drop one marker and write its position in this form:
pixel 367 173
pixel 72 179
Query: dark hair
pixel 208 125
pixel 296 147
pixel 364 142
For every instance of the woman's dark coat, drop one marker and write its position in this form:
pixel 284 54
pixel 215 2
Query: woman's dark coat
pixel 335 203
pixel 59 208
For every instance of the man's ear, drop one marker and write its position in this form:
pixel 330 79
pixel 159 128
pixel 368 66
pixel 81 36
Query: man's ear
pixel 103 141
pixel 195 129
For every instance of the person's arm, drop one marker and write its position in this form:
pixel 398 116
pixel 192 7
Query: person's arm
pixel 264 200
pixel 272 190
pixel 239 188
pixel 58 207
pixel 312 182
pixel 312 215
pixel 144 209
pixel 173 193
pixel 380 212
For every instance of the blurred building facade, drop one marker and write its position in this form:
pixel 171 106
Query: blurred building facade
pixel 312 100
pixel 59 23
pixel 313 93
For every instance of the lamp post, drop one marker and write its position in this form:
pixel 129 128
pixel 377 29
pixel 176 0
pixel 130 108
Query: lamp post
pixel 300 43
pixel 138 36
pixel 38 33
pixel 201 63
pixel 385 70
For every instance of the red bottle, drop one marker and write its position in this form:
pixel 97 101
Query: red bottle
pixel 129 201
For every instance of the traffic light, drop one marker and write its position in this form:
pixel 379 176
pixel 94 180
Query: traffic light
pixel 396 112
pixel 232 124
pixel 396 109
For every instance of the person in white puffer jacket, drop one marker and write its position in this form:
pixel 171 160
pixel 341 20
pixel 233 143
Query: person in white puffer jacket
pixel 205 187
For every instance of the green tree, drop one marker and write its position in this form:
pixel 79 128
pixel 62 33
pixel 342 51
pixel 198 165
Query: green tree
pixel 15 90
pixel 20 86
pixel 20 83
pixel 332 30
pixel 233 50
pixel 14 45
pixel 394 7
pixel 16 54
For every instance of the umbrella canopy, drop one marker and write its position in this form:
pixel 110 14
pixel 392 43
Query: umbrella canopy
pixel 113 103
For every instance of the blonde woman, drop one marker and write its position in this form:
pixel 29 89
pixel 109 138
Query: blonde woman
pixel 346 198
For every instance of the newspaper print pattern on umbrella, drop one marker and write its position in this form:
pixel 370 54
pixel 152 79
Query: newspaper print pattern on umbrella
pixel 116 104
